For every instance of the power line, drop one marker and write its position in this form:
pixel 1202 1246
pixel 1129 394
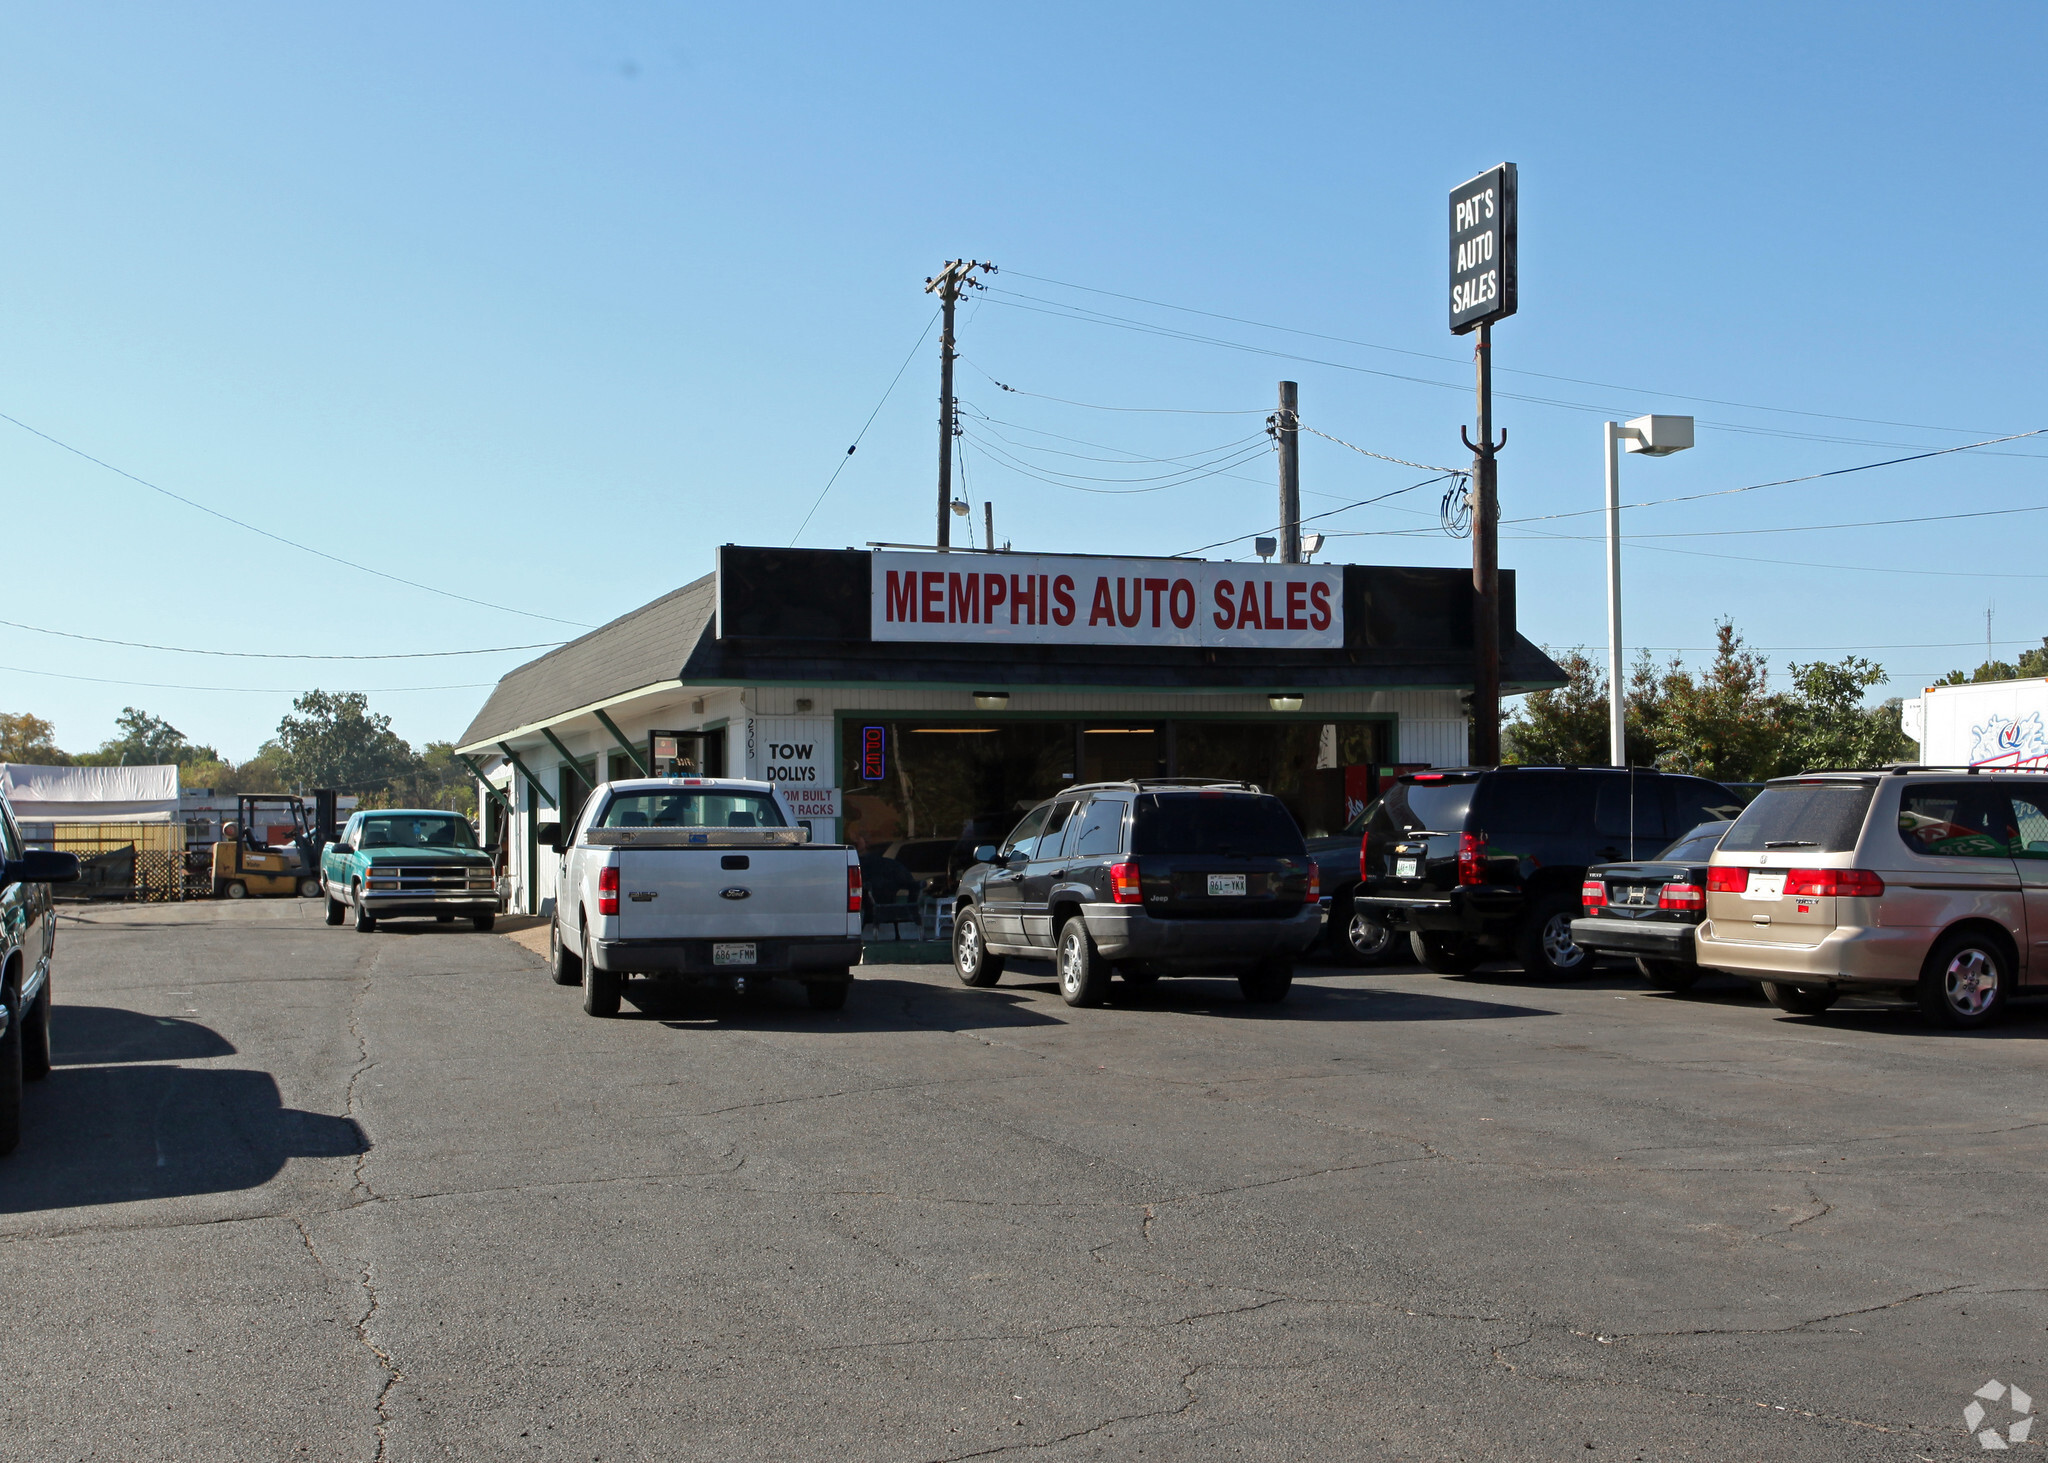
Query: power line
pixel 276 654
pixel 1184 411
pixel 280 538
pixel 857 436
pixel 1362 503
pixel 251 690
pixel 1505 370
pixel 1002 459
pixel 1830 527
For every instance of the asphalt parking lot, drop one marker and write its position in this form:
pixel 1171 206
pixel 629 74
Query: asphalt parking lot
pixel 295 1192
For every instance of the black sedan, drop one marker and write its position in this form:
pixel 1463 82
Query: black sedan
pixel 1650 909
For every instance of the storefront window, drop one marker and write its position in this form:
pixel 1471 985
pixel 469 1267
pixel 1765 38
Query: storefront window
pixel 967 783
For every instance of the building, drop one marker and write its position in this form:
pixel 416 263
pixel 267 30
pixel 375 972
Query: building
pixel 924 696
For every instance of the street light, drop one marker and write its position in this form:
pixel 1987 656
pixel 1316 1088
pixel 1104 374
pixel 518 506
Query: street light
pixel 1652 436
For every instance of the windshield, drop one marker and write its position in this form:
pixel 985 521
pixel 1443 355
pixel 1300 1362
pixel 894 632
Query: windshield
pixel 1698 844
pixel 1214 822
pixel 1439 805
pixel 417 830
pixel 1814 817
pixel 692 809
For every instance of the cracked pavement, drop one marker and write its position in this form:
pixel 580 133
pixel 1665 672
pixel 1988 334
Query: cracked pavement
pixel 294 1192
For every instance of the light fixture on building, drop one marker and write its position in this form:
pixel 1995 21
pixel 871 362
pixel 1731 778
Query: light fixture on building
pixel 803 704
pixel 1284 701
pixel 1265 548
pixel 991 700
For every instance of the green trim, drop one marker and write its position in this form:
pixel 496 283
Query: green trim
pixel 620 737
pixel 531 781
pixel 532 848
pixel 489 787
pixel 567 756
pixel 1111 718
pixel 1072 688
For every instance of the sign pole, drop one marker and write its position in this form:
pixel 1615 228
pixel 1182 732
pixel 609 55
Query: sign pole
pixel 1484 288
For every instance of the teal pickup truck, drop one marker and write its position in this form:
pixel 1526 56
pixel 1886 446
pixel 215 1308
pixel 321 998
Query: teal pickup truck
pixel 408 862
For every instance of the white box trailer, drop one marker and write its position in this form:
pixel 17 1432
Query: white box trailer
pixel 1988 724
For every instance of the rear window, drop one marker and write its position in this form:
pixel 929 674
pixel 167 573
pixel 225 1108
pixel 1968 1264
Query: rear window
pixel 1439 805
pixel 1699 844
pixel 1819 817
pixel 1193 822
pixel 691 809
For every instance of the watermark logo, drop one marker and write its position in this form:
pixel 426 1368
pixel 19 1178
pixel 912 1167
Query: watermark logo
pixel 1976 1415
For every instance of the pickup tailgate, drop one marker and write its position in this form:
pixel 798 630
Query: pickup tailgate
pixel 711 893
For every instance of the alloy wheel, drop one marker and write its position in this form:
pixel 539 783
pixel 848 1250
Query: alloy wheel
pixel 1971 982
pixel 1557 942
pixel 1369 938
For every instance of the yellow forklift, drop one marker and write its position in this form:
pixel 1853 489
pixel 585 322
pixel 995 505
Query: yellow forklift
pixel 245 862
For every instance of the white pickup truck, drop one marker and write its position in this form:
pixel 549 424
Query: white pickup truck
pixel 699 876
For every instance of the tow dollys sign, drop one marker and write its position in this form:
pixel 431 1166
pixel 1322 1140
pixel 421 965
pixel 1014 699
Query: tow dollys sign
pixel 1034 599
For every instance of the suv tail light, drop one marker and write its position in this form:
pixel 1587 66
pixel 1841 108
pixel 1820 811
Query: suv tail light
pixel 853 888
pixel 1593 894
pixel 1727 881
pixel 1123 883
pixel 1471 858
pixel 1682 896
pixel 608 889
pixel 1833 883
pixel 1315 884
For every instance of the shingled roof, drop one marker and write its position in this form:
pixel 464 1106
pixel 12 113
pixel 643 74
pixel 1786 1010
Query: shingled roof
pixel 642 648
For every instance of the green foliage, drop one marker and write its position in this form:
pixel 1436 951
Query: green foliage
pixel 147 741
pixel 336 741
pixel 2032 664
pixel 1724 722
pixel 434 780
pixel 26 737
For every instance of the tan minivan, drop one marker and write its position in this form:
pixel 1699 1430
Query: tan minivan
pixel 1932 881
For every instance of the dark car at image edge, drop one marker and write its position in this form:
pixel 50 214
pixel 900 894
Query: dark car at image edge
pixel 1477 863
pixel 1143 879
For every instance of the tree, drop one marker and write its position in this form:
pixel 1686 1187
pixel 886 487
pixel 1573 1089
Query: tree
pixel 336 741
pixel 1567 727
pixel 1828 726
pixel 26 737
pixel 1724 723
pixel 147 741
pixel 433 780
pixel 2031 663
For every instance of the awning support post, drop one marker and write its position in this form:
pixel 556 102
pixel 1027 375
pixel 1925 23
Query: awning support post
pixel 489 787
pixel 620 737
pixel 531 781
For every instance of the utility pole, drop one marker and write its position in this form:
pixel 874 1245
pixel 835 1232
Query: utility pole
pixel 1287 424
pixel 948 283
pixel 988 522
pixel 1485 564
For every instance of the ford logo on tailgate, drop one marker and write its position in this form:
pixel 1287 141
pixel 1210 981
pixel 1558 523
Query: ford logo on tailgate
pixel 734 893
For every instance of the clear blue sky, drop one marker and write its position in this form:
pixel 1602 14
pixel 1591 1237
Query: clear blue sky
pixel 541 303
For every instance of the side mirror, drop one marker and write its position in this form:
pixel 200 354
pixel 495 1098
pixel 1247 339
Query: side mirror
pixel 985 854
pixel 549 835
pixel 36 867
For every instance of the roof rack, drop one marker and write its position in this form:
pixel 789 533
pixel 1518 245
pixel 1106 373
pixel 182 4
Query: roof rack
pixel 1141 783
pixel 1899 769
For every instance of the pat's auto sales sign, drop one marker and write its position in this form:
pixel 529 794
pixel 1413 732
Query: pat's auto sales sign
pixel 1044 599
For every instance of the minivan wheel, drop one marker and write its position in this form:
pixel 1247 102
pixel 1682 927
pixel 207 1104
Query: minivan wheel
pixel 1800 1000
pixel 1359 939
pixel 1443 954
pixel 1964 981
pixel 971 959
pixel 1667 975
pixel 1545 945
pixel 1084 974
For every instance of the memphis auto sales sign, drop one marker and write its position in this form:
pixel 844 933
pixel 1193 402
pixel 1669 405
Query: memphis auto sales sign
pixel 1042 599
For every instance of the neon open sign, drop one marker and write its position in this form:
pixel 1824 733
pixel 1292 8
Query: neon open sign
pixel 874 762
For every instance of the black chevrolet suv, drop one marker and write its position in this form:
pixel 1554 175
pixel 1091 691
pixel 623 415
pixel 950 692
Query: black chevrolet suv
pixel 1478 861
pixel 1143 879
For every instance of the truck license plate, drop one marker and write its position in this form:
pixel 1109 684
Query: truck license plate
pixel 739 954
pixel 1407 868
pixel 1222 885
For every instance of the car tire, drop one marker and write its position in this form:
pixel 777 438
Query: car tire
pixel 828 995
pixel 483 924
pixel 600 987
pixel 563 968
pixel 1356 938
pixel 972 961
pixel 1544 943
pixel 1084 974
pixel 366 922
pixel 1268 984
pixel 309 889
pixel 1965 981
pixel 1667 975
pixel 10 1082
pixel 1800 1000
pixel 1443 954
pixel 336 910
pixel 444 919
pixel 236 889
pixel 35 1035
